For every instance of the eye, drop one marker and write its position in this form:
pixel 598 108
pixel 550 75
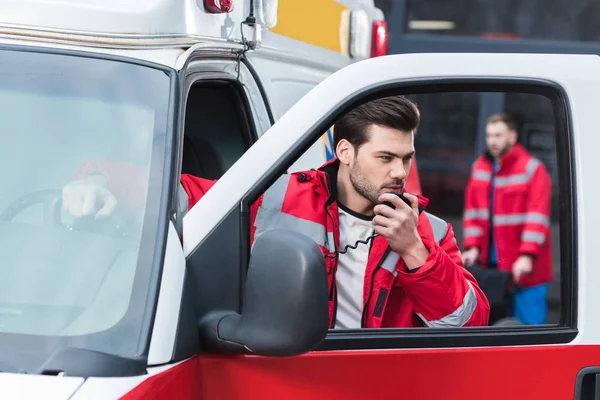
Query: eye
pixel 407 159
pixel 386 158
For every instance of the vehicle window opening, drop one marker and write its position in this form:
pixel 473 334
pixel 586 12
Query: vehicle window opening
pixel 555 104
pixel 217 129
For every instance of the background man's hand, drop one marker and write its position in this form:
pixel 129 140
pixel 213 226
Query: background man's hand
pixel 523 266
pixel 470 256
pixel 87 196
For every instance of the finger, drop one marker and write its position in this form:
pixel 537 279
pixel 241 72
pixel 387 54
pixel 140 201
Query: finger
pixel 473 257
pixel 89 202
pixel 516 272
pixel 383 230
pixel 384 210
pixel 516 277
pixel 414 201
pixel 382 221
pixel 109 207
pixel 75 203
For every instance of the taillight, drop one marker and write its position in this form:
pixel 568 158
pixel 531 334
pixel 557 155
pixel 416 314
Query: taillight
pixel 218 6
pixel 380 39
pixel 359 34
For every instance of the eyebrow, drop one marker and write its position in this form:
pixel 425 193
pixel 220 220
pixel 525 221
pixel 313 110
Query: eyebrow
pixel 389 153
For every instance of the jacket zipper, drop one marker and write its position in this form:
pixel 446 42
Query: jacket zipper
pixel 366 307
pixel 491 199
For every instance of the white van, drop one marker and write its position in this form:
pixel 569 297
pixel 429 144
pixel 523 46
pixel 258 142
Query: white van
pixel 176 86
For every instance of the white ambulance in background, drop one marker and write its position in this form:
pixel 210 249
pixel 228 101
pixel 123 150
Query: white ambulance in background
pixel 72 75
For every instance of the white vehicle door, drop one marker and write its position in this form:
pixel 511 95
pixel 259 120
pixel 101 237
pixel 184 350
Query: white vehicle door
pixel 485 362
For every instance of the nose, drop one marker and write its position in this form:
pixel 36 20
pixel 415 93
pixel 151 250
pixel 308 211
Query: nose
pixel 398 172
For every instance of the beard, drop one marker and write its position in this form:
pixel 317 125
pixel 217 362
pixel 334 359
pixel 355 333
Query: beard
pixel 366 188
pixel 503 151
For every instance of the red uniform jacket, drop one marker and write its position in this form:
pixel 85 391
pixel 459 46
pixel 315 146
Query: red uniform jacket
pixel 441 293
pixel 521 212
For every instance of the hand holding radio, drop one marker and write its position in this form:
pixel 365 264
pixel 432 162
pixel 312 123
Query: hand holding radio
pixel 402 197
pixel 397 222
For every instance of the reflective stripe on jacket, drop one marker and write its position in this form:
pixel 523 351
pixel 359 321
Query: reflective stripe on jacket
pixel 521 214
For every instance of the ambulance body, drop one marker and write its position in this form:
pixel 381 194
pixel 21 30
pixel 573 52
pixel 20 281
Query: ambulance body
pixel 171 304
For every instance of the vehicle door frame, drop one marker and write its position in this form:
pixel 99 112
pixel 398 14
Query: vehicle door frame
pixel 203 64
pixel 495 76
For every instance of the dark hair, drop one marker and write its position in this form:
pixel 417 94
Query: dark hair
pixel 503 117
pixel 395 112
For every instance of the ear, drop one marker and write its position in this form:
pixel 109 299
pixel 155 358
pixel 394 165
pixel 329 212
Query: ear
pixel 344 152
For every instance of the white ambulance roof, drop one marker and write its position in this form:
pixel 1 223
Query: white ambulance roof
pixel 143 18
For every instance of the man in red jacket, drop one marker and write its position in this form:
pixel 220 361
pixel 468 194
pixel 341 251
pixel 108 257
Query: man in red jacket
pixel 507 217
pixel 410 275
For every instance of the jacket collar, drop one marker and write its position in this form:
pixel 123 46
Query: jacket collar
pixel 330 169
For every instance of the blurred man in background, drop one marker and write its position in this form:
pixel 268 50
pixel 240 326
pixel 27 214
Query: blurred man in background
pixel 507 218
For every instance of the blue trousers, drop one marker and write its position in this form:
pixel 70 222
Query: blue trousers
pixel 530 304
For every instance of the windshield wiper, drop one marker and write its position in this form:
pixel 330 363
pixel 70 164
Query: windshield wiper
pixel 72 361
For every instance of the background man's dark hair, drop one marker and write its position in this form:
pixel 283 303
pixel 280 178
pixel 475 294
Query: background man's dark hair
pixel 395 112
pixel 503 117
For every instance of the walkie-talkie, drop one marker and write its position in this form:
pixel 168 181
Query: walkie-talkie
pixel 401 195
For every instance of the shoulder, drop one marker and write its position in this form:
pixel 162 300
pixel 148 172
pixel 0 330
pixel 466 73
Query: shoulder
pixel 481 170
pixel 433 226
pixel 533 165
pixel 297 186
pixel 481 163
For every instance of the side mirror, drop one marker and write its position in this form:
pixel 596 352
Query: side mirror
pixel 285 309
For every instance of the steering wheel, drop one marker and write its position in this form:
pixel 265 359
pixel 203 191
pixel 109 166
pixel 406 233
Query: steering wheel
pixel 52 200
pixel 52 216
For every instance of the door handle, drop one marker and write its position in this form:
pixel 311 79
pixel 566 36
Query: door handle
pixel 587 384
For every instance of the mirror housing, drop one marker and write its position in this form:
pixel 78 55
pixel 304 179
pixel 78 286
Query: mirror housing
pixel 285 309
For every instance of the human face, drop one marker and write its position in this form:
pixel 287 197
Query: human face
pixel 499 138
pixel 382 164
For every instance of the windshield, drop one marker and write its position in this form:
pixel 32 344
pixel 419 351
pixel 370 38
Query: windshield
pixel 77 282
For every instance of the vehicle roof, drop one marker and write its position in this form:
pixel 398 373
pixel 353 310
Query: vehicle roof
pixel 158 21
pixel 119 26
pixel 179 23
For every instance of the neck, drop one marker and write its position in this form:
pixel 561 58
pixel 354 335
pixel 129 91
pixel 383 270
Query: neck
pixel 349 197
